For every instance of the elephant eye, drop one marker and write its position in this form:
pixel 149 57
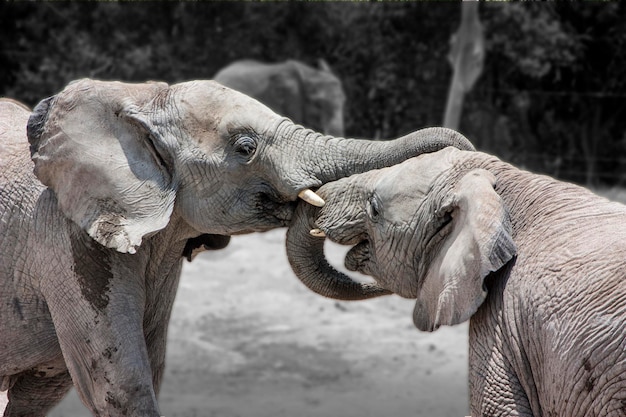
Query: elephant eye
pixel 374 208
pixel 245 146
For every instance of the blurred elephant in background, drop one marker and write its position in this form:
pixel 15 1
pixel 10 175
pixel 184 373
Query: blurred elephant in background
pixel 309 96
pixel 127 180
pixel 538 266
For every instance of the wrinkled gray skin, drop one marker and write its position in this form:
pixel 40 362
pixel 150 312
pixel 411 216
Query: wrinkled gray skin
pixel 310 96
pixel 537 265
pixel 136 176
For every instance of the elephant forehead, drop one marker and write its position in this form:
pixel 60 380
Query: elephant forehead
pixel 413 178
pixel 211 106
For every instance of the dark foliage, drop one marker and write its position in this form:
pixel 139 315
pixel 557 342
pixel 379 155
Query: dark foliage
pixel 551 96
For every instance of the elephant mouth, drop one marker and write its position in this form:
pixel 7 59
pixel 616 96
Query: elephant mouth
pixel 280 209
pixel 358 258
pixel 277 211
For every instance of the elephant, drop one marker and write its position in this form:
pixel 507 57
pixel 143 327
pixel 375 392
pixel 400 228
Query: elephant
pixel 537 266
pixel 105 188
pixel 309 96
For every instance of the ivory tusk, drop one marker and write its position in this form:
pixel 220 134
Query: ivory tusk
pixel 317 233
pixel 311 198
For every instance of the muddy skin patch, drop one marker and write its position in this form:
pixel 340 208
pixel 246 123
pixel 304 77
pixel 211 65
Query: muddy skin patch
pixel 108 353
pixel 110 398
pixel 92 266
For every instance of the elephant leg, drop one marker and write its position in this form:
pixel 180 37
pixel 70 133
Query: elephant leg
pixel 99 325
pixel 495 389
pixel 33 395
pixel 160 298
pixel 110 366
pixel 156 341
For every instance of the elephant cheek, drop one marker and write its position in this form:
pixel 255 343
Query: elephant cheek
pixel 358 258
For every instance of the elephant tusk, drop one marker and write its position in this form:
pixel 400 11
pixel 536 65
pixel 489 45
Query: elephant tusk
pixel 311 198
pixel 317 233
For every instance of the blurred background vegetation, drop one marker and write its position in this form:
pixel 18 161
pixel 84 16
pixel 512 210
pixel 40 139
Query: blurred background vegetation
pixel 551 97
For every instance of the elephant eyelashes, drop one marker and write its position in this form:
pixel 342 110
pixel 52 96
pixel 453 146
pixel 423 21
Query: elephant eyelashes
pixel 446 219
pixel 374 209
pixel 154 151
pixel 246 147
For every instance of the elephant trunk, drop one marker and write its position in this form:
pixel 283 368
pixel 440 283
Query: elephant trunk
pixel 335 157
pixel 306 257
pixel 353 156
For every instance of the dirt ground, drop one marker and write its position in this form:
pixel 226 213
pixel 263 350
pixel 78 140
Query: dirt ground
pixel 247 338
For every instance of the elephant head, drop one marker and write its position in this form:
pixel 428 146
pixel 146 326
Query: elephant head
pixel 125 160
pixel 311 96
pixel 430 228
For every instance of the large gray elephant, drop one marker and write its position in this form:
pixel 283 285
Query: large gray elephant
pixel 128 179
pixel 538 266
pixel 310 96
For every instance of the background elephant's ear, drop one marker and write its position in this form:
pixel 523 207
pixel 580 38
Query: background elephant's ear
pixel 480 242
pixel 323 65
pixel 92 146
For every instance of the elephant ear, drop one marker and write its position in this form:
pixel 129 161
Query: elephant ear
pixel 323 65
pixel 93 146
pixel 480 242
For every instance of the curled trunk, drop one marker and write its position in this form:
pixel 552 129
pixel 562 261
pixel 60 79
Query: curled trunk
pixel 319 159
pixel 361 155
pixel 306 256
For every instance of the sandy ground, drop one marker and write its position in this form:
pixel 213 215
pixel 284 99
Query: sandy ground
pixel 247 338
